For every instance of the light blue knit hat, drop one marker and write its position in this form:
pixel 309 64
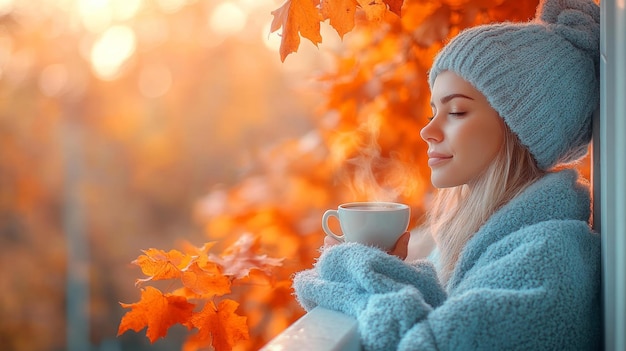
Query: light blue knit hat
pixel 542 76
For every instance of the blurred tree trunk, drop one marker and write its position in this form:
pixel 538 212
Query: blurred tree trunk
pixel 77 297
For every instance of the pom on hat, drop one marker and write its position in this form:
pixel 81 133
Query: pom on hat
pixel 542 76
pixel 576 21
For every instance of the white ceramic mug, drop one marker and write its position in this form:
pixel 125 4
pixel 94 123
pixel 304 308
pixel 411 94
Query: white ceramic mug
pixel 372 223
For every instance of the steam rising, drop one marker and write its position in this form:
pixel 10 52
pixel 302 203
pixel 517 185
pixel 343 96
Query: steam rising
pixel 375 175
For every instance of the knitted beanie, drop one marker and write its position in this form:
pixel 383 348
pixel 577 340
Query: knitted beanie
pixel 542 76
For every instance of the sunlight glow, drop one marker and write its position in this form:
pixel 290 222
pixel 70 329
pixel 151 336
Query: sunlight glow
pixel 6 6
pixel 125 9
pixel 170 6
pixel 250 4
pixel 227 19
pixel 271 40
pixel 96 15
pixel 111 50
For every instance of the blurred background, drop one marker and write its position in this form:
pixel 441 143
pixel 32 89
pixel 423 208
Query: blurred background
pixel 135 124
pixel 116 118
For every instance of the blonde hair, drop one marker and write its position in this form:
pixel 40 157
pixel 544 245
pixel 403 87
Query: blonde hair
pixel 457 213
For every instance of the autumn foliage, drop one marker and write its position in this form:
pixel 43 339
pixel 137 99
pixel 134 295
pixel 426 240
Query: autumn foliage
pixel 303 17
pixel 196 302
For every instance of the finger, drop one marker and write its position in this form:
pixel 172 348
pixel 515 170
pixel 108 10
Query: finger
pixel 328 241
pixel 401 249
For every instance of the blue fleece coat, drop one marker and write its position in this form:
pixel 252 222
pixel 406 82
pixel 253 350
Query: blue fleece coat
pixel 529 279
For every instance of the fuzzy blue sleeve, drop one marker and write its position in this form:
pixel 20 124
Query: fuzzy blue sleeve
pixel 536 289
pixel 386 295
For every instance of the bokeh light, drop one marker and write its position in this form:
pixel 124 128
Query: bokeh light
pixel 6 6
pixel 170 6
pixel 95 15
pixel 111 50
pixel 227 19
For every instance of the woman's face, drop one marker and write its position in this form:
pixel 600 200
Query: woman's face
pixel 465 134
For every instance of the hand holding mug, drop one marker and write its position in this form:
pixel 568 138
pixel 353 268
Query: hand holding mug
pixel 400 250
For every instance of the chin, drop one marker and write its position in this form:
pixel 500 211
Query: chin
pixel 443 185
pixel 442 180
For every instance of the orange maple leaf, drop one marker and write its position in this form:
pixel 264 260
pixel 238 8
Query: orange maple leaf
pixel 156 311
pixel 199 254
pixel 196 251
pixel 241 257
pixel 340 13
pixel 159 265
pixel 395 6
pixel 207 282
pixel 374 9
pixel 218 327
pixel 296 17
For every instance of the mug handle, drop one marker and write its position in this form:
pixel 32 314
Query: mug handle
pixel 325 218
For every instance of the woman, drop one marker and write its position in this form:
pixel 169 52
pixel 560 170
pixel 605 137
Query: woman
pixel 516 265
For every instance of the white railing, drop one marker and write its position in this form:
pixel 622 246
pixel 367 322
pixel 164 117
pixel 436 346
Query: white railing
pixel 319 330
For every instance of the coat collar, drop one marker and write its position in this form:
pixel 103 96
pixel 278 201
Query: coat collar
pixel 557 195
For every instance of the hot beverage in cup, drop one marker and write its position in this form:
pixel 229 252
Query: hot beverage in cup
pixel 372 223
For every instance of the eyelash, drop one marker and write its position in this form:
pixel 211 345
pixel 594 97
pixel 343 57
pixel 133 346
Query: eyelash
pixel 455 114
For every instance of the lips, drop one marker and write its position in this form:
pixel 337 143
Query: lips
pixel 436 158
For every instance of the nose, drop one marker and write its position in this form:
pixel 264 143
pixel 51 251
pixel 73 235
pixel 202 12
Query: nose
pixel 431 132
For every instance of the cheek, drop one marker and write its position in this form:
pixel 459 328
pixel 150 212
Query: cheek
pixel 480 142
pixel 489 141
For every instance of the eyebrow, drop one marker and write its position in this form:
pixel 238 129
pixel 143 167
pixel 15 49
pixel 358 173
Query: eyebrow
pixel 447 98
